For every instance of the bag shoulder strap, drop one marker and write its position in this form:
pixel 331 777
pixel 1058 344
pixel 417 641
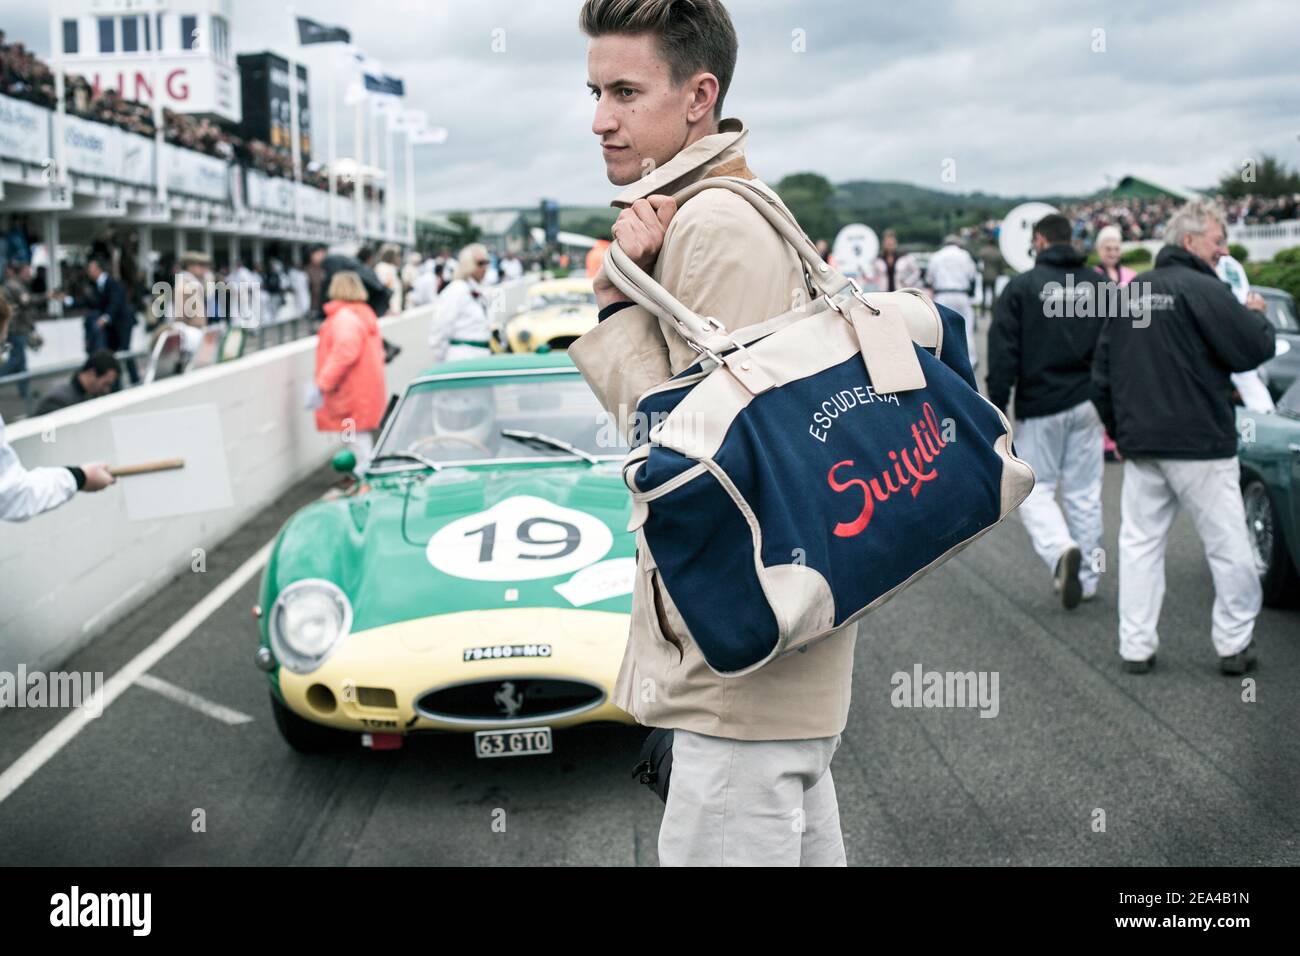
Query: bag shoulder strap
pixel 704 332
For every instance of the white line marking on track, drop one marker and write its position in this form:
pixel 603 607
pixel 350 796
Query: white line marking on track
pixel 190 699
pixel 67 728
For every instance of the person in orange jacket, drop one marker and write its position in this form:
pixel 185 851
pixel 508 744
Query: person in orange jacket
pixel 350 367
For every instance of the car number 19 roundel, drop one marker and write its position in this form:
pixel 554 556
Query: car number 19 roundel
pixel 519 539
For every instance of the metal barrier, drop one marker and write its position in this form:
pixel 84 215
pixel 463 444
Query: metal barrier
pixel 219 343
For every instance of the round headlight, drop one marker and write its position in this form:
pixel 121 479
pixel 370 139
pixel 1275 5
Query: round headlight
pixel 307 621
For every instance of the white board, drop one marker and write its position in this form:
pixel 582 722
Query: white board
pixel 1016 235
pixel 193 433
pixel 855 249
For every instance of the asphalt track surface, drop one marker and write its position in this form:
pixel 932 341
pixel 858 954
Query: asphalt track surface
pixel 1186 772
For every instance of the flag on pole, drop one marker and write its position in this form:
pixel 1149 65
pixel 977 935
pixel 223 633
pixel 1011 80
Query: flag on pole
pixel 309 31
pixel 429 136
pixel 410 121
pixel 383 83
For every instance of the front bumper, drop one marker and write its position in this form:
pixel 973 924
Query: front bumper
pixel 350 691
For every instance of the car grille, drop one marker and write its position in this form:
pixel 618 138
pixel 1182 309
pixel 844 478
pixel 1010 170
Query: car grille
pixel 509 701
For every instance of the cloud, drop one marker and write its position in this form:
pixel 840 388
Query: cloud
pixel 1017 94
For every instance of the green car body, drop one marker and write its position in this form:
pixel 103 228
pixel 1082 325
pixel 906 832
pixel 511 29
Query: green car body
pixel 509 573
pixel 1269 451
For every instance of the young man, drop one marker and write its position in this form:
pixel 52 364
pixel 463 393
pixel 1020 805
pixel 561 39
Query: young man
pixel 1040 345
pixel 751 780
pixel 1161 384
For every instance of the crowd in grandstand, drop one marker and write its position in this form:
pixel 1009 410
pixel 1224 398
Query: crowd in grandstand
pixel 1145 218
pixel 25 76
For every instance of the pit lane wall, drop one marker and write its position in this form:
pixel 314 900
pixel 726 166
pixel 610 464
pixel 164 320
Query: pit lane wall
pixel 67 575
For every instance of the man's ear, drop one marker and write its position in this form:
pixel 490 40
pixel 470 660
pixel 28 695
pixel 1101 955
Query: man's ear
pixel 703 88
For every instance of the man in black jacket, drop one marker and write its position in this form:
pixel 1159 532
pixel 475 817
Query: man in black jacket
pixel 1044 331
pixel 111 318
pixel 1162 387
pixel 376 291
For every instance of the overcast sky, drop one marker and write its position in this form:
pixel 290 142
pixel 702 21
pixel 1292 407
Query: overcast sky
pixel 1021 99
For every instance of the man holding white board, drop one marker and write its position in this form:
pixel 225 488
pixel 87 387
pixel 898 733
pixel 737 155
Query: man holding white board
pixel 25 493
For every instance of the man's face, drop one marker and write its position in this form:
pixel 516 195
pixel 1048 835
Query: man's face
pixel 642 117
pixel 97 385
pixel 889 244
pixel 93 271
pixel 1208 245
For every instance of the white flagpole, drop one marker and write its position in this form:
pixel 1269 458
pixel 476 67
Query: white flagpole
pixel 332 146
pixel 389 212
pixel 55 306
pixel 359 180
pixel 373 152
pixel 293 118
pixel 410 188
pixel 160 138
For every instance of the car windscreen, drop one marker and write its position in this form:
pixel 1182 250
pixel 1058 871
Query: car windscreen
pixel 459 421
pixel 1281 312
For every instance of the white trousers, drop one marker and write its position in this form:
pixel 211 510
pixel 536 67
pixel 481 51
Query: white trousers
pixel 751 803
pixel 1065 451
pixel 1154 489
pixel 960 302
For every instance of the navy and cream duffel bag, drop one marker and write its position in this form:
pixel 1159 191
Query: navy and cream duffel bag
pixel 808 468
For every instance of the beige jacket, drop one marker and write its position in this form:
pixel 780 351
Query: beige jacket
pixel 721 259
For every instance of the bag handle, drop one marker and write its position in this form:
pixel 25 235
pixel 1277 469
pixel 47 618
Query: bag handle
pixel 707 334
pixel 883 334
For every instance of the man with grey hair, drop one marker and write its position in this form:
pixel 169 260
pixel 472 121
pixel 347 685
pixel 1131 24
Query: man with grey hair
pixel 1161 384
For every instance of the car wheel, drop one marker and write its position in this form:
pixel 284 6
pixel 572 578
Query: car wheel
pixel 1277 576
pixel 305 736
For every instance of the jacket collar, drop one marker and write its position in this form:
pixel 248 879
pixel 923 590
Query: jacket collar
pixel 1175 256
pixel 718 154
pixel 1061 254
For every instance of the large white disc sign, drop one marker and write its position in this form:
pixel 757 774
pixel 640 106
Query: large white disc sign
pixel 519 539
pixel 855 249
pixel 1016 235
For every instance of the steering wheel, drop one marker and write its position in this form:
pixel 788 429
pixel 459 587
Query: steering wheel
pixel 443 439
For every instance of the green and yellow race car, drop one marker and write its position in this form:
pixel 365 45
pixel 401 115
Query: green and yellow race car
pixel 554 314
pixel 477 578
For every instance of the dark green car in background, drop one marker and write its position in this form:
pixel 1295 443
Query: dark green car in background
pixel 1269 451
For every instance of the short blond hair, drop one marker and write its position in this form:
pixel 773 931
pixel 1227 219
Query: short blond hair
pixel 468 260
pixel 346 286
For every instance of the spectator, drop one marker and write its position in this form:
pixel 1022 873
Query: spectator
pixel 1042 349
pixel 377 294
pixel 894 271
pixel 26 312
pixel 1161 384
pixel 97 377
pixel 951 274
pixel 387 271
pixel 1109 252
pixel 350 366
pixel 316 280
pixel 460 324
